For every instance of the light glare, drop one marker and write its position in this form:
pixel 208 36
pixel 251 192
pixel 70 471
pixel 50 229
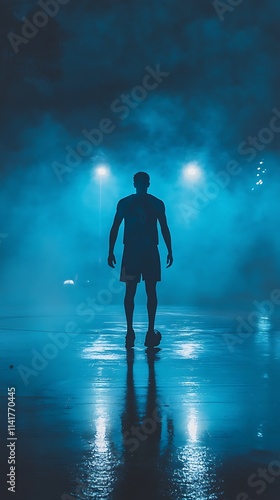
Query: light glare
pixel 192 172
pixel 102 170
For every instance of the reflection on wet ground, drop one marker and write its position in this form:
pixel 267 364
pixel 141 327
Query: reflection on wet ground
pixel 196 419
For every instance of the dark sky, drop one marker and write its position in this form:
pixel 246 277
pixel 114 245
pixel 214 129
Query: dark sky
pixel 221 88
pixel 223 82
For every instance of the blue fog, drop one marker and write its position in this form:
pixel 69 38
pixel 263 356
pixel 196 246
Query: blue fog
pixel 220 89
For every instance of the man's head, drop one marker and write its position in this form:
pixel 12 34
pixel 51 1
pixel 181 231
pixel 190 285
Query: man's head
pixel 141 181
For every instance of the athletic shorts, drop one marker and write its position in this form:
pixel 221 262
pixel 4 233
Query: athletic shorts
pixel 137 262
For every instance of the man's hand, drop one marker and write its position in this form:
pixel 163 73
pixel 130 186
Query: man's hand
pixel 111 260
pixel 169 260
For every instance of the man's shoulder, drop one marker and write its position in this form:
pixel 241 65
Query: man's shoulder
pixel 126 200
pixel 156 201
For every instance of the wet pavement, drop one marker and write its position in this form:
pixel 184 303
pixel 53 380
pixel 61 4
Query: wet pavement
pixel 196 419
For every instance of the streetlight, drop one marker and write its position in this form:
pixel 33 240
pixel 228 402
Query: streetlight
pixel 101 172
pixel 192 172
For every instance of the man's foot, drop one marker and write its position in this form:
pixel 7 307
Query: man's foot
pixel 129 339
pixel 153 339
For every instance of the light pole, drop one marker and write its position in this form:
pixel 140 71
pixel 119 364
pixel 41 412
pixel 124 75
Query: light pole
pixel 101 171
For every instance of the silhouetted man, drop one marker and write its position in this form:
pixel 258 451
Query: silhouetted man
pixel 140 212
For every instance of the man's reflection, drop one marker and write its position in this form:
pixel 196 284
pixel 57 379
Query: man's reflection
pixel 143 473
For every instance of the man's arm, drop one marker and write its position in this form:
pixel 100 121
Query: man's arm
pixel 166 236
pixel 113 238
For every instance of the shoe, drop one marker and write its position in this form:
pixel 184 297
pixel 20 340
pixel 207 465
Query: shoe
pixel 129 340
pixel 153 339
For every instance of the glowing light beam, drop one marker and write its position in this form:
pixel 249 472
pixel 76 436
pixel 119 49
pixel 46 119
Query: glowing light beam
pixel 192 172
pixel 102 171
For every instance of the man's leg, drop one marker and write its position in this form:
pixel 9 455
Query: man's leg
pixel 131 287
pixel 151 303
